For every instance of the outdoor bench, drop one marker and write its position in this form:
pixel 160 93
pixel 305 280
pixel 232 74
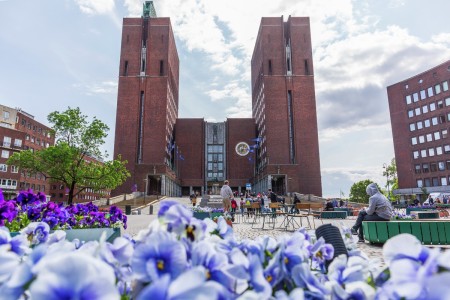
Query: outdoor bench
pixel 333 214
pixel 429 232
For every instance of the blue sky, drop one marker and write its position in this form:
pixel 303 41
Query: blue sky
pixel 60 53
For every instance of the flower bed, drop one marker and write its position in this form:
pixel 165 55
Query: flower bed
pixel 28 207
pixel 180 257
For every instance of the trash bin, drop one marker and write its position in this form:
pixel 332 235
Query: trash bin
pixel 150 209
pixel 128 210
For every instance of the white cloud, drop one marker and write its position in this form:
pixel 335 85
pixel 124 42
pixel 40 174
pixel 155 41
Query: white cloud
pixel 105 87
pixel 94 7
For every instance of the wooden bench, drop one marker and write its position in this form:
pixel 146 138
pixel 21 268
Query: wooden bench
pixel 333 215
pixel 430 232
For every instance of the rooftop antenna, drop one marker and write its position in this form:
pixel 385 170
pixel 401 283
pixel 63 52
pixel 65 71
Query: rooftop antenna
pixel 148 10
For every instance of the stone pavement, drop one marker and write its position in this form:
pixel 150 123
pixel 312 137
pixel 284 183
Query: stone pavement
pixel 244 230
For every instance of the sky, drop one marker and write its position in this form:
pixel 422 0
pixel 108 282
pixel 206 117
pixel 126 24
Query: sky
pixel 60 53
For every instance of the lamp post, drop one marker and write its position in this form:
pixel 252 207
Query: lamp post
pixel 385 166
pixel 145 189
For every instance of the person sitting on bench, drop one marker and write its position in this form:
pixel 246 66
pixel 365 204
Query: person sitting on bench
pixel 379 209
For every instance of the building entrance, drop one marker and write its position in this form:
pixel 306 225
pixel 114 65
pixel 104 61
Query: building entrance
pixel 214 187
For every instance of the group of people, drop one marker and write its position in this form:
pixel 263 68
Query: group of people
pixel 379 209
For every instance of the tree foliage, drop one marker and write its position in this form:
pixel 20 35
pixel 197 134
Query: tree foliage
pixel 68 161
pixel 390 172
pixel 358 191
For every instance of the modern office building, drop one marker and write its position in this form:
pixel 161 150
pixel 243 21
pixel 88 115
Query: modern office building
pixel 277 148
pixel 420 115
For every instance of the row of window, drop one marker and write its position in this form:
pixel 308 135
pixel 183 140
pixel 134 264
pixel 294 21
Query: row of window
pixel 429 122
pixel 7 142
pixel 427 92
pixel 215 175
pixel 34 187
pixel 437 135
pixel 37 141
pixel 35 128
pixel 430 152
pixel 4 168
pixel 8 183
pixel 428 108
pixel 434 181
pixel 432 167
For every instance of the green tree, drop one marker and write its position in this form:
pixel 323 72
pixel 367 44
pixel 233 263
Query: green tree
pixel 390 172
pixel 358 191
pixel 68 160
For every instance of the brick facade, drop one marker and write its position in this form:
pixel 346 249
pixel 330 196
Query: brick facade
pixel 167 155
pixel 420 114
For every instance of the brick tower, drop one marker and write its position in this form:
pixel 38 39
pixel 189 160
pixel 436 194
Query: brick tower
pixel 147 104
pixel 284 107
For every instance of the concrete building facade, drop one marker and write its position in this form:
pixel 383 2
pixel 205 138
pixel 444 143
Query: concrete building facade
pixel 420 115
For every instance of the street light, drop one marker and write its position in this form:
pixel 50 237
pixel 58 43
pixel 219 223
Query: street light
pixel 385 166
pixel 145 193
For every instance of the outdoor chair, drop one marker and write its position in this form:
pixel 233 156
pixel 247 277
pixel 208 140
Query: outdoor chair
pixel 303 211
pixel 256 210
pixel 271 215
pixel 316 212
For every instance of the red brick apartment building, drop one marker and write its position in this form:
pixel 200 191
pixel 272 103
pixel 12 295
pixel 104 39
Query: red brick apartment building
pixel 420 118
pixel 277 148
pixel 20 131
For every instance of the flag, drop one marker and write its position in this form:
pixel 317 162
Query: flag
pixel 258 139
pixel 342 193
pixel 181 157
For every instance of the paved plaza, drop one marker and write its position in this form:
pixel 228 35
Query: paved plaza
pixel 244 230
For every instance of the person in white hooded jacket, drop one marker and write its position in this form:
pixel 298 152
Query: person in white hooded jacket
pixel 379 209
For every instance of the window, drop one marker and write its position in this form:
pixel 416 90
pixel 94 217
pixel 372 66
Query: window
pixel 444 133
pixel 32 139
pixel 437 88
pixel 416 154
pixel 437 135
pixel 412 126
pixel 429 137
pixel 423 95
pixel 425 168
pixel 23 122
pixel 427 123
pixel 432 106
pixel 441 166
pixel 27 137
pixel 445 86
pixel 125 68
pixel 14 169
pixel 417 169
pixel 3 168
pixel 6 141
pixel 408 99
pixel 440 104
pixel 161 68
pixel 410 113
pixel 6 115
pixel 435 181
pixel 414 141
pixel 419 125
pixel 5 153
pixel 427 182
pixel 443 180
pixel 419 183
pixel 448 164
pixel 423 153
pixel 421 139
pixel 430 92
pixel 415 97
pixel 442 119
pixel 425 109
pixel 270 67
pixel 447 148
pixel 17 143
pixel 433 167
pixel 447 101
pixel 439 150
pixel 417 110
pixel 434 121
pixel 430 152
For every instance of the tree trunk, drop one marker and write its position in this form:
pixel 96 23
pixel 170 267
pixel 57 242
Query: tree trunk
pixel 71 192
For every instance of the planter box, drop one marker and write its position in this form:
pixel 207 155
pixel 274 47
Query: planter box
pixel 89 234
pixel 215 214
pixel 201 215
